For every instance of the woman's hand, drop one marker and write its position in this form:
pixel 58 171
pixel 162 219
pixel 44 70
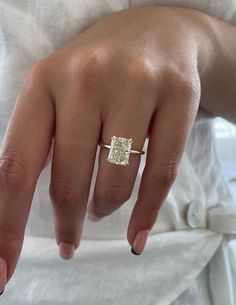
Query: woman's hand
pixel 135 74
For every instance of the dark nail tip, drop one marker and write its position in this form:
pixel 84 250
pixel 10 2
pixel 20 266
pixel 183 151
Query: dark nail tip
pixel 132 250
pixel 2 292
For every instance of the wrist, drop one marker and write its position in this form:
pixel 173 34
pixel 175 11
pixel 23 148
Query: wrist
pixel 217 65
pixel 217 47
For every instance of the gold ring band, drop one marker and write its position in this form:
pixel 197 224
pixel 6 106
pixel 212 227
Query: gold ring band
pixel 131 150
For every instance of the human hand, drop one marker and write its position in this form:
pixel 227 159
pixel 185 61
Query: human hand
pixel 133 74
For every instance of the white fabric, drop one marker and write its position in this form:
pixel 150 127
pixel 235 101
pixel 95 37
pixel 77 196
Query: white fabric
pixel 222 219
pixel 180 265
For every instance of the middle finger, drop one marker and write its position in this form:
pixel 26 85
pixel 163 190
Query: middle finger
pixel 76 136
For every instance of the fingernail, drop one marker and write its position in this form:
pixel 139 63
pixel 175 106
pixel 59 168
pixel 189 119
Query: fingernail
pixel 3 274
pixel 139 242
pixel 94 218
pixel 66 250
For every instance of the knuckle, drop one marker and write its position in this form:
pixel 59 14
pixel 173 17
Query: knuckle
pixel 89 66
pixel 183 83
pixel 36 76
pixel 98 57
pixel 11 241
pixel 141 71
pixel 64 194
pixel 37 71
pixel 112 194
pixel 65 233
pixel 164 175
pixel 13 172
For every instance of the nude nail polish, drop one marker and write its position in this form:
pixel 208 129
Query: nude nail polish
pixel 140 242
pixel 66 250
pixel 3 274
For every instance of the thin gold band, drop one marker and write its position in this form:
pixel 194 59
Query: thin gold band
pixel 131 151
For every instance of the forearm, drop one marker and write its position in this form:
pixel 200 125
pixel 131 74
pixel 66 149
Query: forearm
pixel 218 75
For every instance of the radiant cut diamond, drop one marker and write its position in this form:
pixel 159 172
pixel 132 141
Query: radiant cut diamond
pixel 119 150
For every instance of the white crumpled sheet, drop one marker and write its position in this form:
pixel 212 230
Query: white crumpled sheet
pixel 106 272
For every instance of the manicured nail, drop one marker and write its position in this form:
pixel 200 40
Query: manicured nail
pixel 139 242
pixel 3 274
pixel 66 250
pixel 94 218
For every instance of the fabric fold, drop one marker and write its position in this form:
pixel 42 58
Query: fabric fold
pixel 105 270
pixel 222 218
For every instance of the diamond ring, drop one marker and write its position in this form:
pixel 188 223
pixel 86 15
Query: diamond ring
pixel 120 150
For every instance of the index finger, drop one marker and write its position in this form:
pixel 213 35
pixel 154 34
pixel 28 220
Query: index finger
pixel 26 144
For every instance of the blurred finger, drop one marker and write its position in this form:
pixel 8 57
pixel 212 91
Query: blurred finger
pixel 171 128
pixel 25 147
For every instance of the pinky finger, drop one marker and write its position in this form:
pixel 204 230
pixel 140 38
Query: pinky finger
pixel 170 131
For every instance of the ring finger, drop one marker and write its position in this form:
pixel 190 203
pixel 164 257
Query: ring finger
pixel 114 183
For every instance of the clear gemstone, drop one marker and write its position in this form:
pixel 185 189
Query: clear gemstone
pixel 119 150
